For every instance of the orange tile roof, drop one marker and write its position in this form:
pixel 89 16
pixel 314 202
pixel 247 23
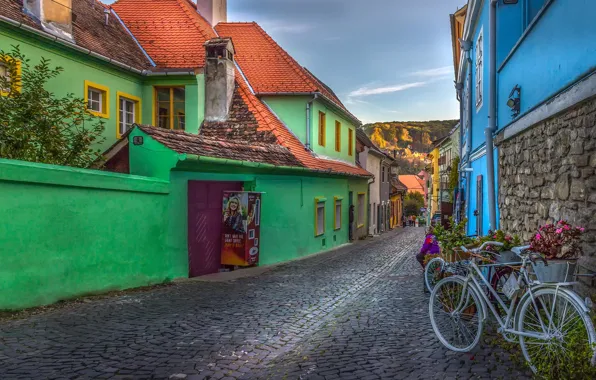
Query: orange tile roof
pixel 172 32
pixel 268 67
pixel 412 182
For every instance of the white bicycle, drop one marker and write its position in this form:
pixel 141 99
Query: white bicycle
pixel 550 320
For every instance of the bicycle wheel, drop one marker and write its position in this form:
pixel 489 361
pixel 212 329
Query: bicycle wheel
pixel 568 329
pixel 456 316
pixel 433 272
pixel 498 280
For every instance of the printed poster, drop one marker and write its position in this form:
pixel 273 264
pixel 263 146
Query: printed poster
pixel 241 228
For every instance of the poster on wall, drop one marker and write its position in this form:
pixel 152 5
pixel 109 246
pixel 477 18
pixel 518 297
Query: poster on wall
pixel 241 230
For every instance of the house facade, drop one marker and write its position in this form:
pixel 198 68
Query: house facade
pixel 371 158
pixel 528 84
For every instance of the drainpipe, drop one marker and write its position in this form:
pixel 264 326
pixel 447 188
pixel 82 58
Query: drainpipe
pixel 492 121
pixel 308 120
pixel 467 45
pixel 459 87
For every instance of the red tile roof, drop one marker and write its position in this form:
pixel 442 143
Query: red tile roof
pixel 412 182
pixel 89 31
pixel 268 67
pixel 172 32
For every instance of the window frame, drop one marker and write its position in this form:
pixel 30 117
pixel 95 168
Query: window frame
pixel 337 201
pixel 361 209
pixel 479 70
pixel 137 110
pixel 350 142
pixel 105 99
pixel 322 128
pixel 172 115
pixel 337 136
pixel 318 203
pixel 19 72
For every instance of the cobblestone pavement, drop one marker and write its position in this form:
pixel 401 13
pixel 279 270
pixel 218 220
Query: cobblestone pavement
pixel 355 313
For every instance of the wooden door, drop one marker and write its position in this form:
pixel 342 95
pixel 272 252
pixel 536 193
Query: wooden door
pixel 204 225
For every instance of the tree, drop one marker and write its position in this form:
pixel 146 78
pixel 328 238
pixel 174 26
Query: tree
pixel 35 125
pixel 413 202
pixel 453 177
pixel 378 139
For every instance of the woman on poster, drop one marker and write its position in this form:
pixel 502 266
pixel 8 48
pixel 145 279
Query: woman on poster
pixel 233 216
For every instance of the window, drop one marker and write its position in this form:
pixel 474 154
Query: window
pixel 129 112
pixel 479 69
pixel 319 217
pixel 361 203
pixel 5 72
pixel 337 136
pixel 97 99
pixel 337 214
pixel 350 142
pixel 169 110
pixel 322 126
pixel 383 174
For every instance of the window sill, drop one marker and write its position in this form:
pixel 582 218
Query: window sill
pixel 99 114
pixel 320 235
pixel 360 226
pixel 337 229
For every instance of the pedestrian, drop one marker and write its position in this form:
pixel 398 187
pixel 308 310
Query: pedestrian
pixel 351 227
pixel 430 246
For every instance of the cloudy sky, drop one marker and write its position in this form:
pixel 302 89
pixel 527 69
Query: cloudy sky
pixel 386 59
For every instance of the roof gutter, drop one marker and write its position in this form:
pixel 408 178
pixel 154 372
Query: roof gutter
pixel 91 53
pixel 260 165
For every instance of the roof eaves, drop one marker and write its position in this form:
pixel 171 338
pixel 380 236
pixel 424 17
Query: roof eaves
pixel 69 44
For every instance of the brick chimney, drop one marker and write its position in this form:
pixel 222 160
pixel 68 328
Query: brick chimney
pixel 219 78
pixel 54 16
pixel 214 11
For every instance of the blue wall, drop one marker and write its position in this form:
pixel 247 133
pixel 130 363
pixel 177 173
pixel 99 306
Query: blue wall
pixel 480 115
pixel 558 50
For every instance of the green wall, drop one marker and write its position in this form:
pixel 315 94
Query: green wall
pixel 329 148
pixel 74 231
pixel 292 111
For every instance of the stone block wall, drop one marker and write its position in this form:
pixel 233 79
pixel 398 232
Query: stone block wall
pixel 547 173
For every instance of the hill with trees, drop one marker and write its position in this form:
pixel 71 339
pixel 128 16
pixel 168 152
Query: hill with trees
pixel 410 141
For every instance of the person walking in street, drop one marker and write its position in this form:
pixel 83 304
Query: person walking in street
pixel 351 229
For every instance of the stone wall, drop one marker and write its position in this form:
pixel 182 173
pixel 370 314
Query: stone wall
pixel 547 173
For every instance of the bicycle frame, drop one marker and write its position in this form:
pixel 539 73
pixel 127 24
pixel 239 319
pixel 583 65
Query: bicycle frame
pixel 471 278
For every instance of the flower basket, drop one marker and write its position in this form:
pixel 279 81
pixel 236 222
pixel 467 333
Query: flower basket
pixel 455 255
pixel 555 271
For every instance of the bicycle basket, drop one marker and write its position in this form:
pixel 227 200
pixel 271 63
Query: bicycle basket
pixel 555 271
pixel 453 256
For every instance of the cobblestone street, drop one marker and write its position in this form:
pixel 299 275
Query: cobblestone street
pixel 355 313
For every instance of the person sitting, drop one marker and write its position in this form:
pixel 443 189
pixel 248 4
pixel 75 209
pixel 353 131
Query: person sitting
pixel 430 246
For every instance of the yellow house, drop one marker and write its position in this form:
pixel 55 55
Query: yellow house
pixel 436 181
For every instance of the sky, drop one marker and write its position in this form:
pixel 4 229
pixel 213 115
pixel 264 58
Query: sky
pixel 387 60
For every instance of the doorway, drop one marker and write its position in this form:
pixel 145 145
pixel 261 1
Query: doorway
pixel 204 225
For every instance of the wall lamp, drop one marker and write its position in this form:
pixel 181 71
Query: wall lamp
pixel 514 101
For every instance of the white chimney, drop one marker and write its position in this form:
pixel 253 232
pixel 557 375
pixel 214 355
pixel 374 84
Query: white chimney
pixel 219 79
pixel 215 11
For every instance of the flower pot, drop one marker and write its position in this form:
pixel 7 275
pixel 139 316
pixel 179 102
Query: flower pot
pixel 555 271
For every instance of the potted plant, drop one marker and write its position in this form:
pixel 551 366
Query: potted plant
pixel 451 239
pixel 560 245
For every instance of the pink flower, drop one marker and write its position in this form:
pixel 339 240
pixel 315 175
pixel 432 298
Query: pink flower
pixel 582 229
pixel 538 236
pixel 566 227
pixel 508 238
pixel 559 230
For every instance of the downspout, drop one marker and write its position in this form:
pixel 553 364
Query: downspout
pixel 459 87
pixel 308 120
pixel 492 121
pixel 467 48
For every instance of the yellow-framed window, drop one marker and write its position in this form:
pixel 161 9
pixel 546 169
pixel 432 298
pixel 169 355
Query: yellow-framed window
pixel 13 77
pixel 322 128
pixel 129 112
pixel 97 98
pixel 350 142
pixel 337 213
pixel 169 107
pixel 361 209
pixel 337 136
pixel 319 216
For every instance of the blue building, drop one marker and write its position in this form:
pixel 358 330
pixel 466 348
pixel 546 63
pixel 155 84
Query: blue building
pixel 525 78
